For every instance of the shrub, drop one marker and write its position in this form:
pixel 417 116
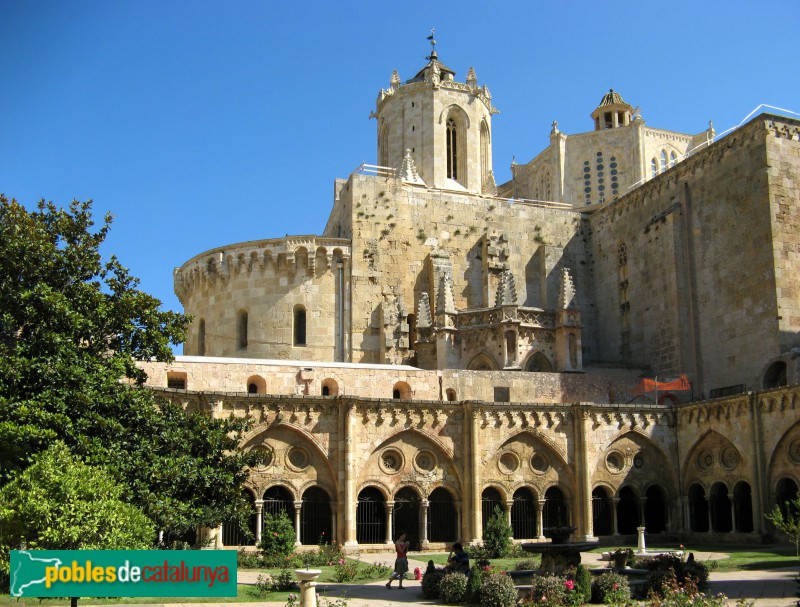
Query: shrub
pixel 345 571
pixel 430 583
pixel 526 564
pixel 326 554
pixel 248 560
pixel 474 583
pixel 583 583
pixel 278 536
pixel 498 591
pixel 453 588
pixel 497 535
pixel 612 589
pixel 374 570
pixel 548 590
pixel 275 583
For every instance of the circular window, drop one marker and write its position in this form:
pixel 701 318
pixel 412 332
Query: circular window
pixel 425 461
pixel 297 458
pixel 638 461
pixel 705 460
pixel 615 462
pixel 729 458
pixel 539 463
pixel 391 461
pixel 267 455
pixel 794 450
pixel 508 463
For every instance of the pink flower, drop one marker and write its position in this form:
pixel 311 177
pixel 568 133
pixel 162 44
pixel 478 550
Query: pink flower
pixel 275 534
pixel 341 561
pixel 615 586
pixel 544 598
pixel 569 584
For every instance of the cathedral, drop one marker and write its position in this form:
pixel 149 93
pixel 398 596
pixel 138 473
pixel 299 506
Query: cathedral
pixel 609 340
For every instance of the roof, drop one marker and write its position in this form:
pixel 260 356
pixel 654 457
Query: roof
pixel 612 97
pixel 434 59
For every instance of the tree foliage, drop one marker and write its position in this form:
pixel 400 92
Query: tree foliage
pixel 497 534
pixel 61 503
pixel 72 327
pixel 786 518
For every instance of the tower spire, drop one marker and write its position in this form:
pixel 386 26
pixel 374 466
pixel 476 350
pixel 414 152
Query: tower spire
pixel 432 40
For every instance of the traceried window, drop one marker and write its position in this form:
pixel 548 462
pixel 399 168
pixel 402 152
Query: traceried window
pixel 452 149
pixel 663 160
pixel 383 146
pixel 653 168
pixel 673 159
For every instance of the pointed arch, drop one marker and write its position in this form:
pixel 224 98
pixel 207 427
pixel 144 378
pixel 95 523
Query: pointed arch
pixel 482 362
pixel 538 362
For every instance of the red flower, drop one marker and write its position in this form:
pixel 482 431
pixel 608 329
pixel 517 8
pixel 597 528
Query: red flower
pixel 615 586
pixel 569 584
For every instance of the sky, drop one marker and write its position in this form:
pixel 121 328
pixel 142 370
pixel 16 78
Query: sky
pixel 205 123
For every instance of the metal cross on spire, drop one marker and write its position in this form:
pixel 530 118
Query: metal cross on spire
pixel 433 45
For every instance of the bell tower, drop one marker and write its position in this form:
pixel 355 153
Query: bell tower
pixel 445 126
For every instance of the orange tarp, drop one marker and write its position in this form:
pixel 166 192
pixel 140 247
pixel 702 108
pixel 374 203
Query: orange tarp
pixel 651 385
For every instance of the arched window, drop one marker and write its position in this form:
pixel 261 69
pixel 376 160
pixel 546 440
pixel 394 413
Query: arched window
pixel 451 394
pixel 673 159
pixel 663 160
pixel 315 517
pixel 256 385
pixel 383 146
pixel 602 513
pixel 491 501
pixel 555 511
pixel 485 166
pixel 299 331
pixel 401 391
pixel 653 168
pixel 523 514
pixel 201 337
pixel 627 511
pixel 775 375
pixel 330 387
pixel 442 516
pixel 371 517
pixel 241 330
pixel 452 149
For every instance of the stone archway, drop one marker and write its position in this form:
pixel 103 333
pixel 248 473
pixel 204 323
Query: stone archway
pixel 406 517
pixel 371 517
pixel 602 512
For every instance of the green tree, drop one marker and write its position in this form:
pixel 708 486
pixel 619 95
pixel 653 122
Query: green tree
pixel 72 327
pixel 497 535
pixel 59 502
pixel 786 518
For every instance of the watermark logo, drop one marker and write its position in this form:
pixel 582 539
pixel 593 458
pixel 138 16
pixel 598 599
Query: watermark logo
pixel 122 573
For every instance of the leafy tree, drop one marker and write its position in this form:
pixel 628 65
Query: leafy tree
pixel 497 535
pixel 61 503
pixel 72 327
pixel 787 520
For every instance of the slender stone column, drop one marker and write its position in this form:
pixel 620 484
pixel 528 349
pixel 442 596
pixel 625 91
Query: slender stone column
pixel 687 519
pixel 614 502
pixel 259 519
pixel 350 500
pixel 540 518
pixel 424 535
pixel 708 509
pixel 583 499
pixel 389 521
pixel 642 502
pixel 475 459
pixel 509 504
pixel 297 507
pixel 733 515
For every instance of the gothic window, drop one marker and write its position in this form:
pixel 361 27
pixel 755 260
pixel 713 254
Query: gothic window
pixel 299 326
pixel 452 149
pixel 673 159
pixel 653 168
pixel 241 330
pixel 383 146
pixel 485 166
pixel 663 160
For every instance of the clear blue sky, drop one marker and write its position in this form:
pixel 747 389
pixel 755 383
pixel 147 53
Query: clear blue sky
pixel 199 124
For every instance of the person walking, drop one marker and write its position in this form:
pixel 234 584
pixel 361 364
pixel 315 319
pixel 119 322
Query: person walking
pixel 400 562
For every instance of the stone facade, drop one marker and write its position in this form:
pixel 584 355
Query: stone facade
pixel 448 345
